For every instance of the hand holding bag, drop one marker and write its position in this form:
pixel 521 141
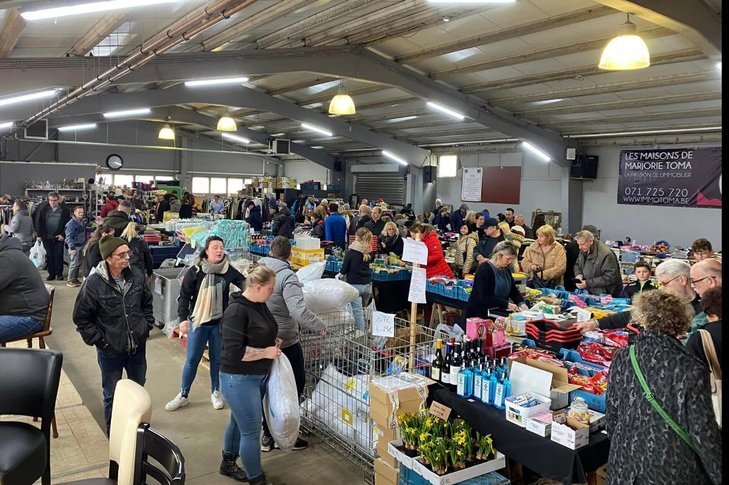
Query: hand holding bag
pixel 38 254
pixel 714 374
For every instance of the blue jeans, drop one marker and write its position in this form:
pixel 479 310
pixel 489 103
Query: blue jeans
pixel 12 326
pixel 365 291
pixel 196 340
pixel 75 262
pixel 54 257
pixel 112 365
pixel 244 394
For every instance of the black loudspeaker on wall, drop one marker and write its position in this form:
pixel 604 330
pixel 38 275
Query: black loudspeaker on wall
pixel 429 174
pixel 337 165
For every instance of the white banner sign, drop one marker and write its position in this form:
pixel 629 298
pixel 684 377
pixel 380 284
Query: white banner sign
pixel 415 251
pixel 471 184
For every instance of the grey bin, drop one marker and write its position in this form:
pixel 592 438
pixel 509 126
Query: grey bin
pixel 165 290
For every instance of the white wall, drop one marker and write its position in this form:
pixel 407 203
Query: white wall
pixel 541 187
pixel 540 183
pixel 305 170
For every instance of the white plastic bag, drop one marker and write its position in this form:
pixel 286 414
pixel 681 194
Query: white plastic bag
pixel 281 404
pixel 311 272
pixel 327 295
pixel 38 254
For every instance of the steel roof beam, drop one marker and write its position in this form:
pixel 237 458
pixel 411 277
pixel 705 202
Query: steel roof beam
pixel 11 30
pixel 101 29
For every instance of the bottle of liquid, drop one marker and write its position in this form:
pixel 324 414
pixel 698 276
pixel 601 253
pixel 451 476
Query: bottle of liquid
pixel 493 381
pixel 456 365
pixel 499 396
pixel 486 385
pixel 477 381
pixel 462 386
pixel 436 366
pixel 445 374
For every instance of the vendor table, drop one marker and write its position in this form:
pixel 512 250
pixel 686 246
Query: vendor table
pixel 537 453
pixel 161 252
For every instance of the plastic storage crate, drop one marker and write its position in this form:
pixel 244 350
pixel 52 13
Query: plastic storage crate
pixel 165 290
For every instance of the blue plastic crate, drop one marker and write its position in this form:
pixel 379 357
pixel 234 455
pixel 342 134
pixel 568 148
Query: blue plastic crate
pixel 594 402
pixel 411 477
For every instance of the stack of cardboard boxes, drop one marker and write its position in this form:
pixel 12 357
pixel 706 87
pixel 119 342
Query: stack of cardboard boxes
pixel 391 396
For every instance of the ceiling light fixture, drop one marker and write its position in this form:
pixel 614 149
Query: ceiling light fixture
pixel 307 126
pixel 28 97
pixel 718 65
pixel 447 111
pixel 236 138
pixel 342 103
pixel 226 123
pixel 394 157
pixel 217 81
pixel 127 112
pixel 536 151
pixel 626 51
pixel 86 8
pixel 7 124
pixel 82 126
pixel 167 133
pixel 472 1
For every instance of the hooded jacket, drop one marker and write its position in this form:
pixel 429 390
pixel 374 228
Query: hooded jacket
pixel 105 315
pixel 601 269
pixel 437 265
pixel 22 291
pixel 246 323
pixel 118 220
pixel 21 225
pixel 287 304
pixel 283 224
pixel 109 206
pixel 466 244
pixel 255 218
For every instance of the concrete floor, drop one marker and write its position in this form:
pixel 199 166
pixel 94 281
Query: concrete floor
pixel 197 429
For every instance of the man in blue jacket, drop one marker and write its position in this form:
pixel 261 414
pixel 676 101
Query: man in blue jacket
pixel 458 216
pixel 75 239
pixel 335 227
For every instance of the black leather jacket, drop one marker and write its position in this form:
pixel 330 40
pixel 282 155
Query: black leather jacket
pixel 105 315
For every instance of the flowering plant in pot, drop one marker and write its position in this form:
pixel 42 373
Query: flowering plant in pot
pixel 485 446
pixel 410 424
pixel 436 452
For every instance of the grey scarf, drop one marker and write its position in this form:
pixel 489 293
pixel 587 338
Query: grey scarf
pixel 209 302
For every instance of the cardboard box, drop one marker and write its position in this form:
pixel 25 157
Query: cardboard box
pixel 384 454
pixel 572 434
pixel 597 421
pixel 393 451
pixel 385 474
pixel 386 435
pixel 461 475
pixel 540 424
pixel 560 387
pixel 519 414
pixel 391 396
pixel 476 328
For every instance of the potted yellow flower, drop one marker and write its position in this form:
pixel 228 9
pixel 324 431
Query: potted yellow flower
pixel 485 447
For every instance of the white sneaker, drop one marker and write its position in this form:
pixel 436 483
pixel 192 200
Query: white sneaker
pixel 217 399
pixel 178 402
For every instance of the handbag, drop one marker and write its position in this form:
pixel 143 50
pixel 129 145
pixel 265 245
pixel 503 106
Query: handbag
pixel 539 281
pixel 651 399
pixel 714 374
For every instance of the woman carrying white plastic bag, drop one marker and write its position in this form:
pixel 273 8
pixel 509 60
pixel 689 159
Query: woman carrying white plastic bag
pixel 281 404
pixel 38 254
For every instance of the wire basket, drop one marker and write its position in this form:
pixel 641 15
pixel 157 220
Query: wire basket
pixel 339 367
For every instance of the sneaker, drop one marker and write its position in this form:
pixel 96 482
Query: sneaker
pixel 73 283
pixel 267 443
pixel 217 399
pixel 299 445
pixel 178 402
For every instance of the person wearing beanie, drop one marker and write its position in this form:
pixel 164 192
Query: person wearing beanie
pixel 113 312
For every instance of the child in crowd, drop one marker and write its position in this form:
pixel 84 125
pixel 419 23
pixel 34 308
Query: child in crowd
pixel 642 271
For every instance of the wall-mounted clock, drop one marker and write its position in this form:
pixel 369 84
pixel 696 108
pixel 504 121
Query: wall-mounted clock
pixel 114 162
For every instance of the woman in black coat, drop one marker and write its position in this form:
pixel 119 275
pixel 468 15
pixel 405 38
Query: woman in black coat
pixel 255 218
pixel 493 285
pixel 390 240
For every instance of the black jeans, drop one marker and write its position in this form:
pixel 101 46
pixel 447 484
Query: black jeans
pixel 295 354
pixel 54 257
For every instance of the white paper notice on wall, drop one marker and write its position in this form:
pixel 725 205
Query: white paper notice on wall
pixel 417 286
pixel 383 324
pixel 414 251
pixel 471 184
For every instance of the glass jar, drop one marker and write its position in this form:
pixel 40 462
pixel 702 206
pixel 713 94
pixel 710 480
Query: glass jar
pixel 578 411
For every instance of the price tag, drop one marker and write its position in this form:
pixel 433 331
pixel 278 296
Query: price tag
pixel 383 324
pixel 414 251
pixel 440 411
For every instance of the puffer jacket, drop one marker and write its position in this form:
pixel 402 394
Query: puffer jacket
pixel 466 244
pixel 288 306
pixel 283 224
pixel 601 269
pixel 553 262
pixel 437 265
pixel 105 315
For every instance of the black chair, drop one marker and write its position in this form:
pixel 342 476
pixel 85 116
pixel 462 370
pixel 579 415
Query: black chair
pixel 151 443
pixel 28 387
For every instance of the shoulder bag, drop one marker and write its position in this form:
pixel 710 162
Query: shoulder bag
pixel 651 399
pixel 714 373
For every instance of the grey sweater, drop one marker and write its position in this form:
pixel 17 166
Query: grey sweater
pixel 22 291
pixel 287 304
pixel 21 225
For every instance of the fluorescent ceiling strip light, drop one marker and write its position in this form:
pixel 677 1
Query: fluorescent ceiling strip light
pixel 536 151
pixel 127 112
pixel 647 132
pixel 217 81
pixel 87 8
pixel 394 157
pixel 83 126
pixel 28 97
pixel 447 111
pixel 7 124
pixel 239 139
pixel 471 1
pixel 548 101
pixel 307 126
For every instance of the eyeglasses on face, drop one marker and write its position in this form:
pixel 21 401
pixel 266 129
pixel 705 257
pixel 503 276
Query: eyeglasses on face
pixel 122 255
pixel 695 282
pixel 666 283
